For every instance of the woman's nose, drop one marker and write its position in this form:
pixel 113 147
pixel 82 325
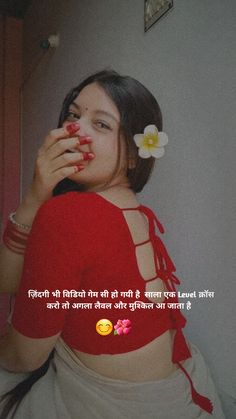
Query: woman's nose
pixel 84 127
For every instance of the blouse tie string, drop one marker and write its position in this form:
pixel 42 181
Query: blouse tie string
pixel 164 269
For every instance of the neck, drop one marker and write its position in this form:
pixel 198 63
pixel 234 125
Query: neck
pixel 116 185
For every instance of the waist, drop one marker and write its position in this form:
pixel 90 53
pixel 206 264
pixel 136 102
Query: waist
pixel 150 362
pixel 81 331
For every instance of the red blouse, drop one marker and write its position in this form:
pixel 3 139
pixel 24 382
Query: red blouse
pixel 81 242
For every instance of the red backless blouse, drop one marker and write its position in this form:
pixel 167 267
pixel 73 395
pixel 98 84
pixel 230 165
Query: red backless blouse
pixel 81 242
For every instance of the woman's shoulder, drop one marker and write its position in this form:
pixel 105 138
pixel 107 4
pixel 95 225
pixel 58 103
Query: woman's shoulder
pixel 84 203
pixel 68 213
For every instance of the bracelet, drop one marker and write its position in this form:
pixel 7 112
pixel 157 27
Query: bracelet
pixel 13 221
pixel 14 239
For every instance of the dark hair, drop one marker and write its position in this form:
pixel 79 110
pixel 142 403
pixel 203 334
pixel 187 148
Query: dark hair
pixel 14 397
pixel 137 107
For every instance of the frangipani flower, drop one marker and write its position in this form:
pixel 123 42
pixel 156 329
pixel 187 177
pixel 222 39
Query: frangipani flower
pixel 151 142
pixel 122 327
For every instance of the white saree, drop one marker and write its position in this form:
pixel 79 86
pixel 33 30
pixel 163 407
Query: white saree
pixel 70 390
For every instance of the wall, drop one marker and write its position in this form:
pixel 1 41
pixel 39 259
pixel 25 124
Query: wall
pixel 11 63
pixel 188 61
pixel 10 82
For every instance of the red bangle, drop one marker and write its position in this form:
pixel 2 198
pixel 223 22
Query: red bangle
pixel 14 239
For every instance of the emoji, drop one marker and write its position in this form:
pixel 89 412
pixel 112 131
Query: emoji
pixel 104 327
pixel 122 327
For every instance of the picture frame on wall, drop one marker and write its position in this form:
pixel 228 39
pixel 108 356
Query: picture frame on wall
pixel 154 10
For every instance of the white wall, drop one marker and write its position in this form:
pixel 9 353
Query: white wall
pixel 188 60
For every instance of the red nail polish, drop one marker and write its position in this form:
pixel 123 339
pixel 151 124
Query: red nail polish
pixel 79 167
pixel 88 156
pixel 85 140
pixel 72 128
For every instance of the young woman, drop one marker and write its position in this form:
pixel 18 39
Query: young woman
pixel 96 330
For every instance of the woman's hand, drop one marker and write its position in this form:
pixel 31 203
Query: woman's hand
pixel 53 164
pixel 54 161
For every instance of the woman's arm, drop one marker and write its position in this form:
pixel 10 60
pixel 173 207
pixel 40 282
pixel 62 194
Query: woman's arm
pixel 53 261
pixel 18 353
pixel 11 263
pixel 52 165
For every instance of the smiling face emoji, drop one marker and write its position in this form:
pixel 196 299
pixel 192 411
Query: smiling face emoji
pixel 104 327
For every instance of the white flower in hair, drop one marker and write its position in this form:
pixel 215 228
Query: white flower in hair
pixel 151 142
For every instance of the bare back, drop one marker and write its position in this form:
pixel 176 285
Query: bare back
pixel 152 361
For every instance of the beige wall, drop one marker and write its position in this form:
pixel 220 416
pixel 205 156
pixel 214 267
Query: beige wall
pixel 188 60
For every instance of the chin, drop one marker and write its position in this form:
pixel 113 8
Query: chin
pixel 83 186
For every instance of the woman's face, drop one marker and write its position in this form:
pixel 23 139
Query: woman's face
pixel 99 118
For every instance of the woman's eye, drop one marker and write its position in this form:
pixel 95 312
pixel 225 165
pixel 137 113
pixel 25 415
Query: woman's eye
pixel 101 124
pixel 71 116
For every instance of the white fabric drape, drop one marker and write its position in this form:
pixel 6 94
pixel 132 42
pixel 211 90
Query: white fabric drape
pixel 70 390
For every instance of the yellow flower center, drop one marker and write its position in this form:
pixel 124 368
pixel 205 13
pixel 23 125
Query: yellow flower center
pixel 150 140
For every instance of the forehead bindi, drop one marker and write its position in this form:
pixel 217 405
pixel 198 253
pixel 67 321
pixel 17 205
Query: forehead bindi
pixel 94 99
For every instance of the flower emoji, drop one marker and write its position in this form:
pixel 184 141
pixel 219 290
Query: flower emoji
pixel 122 327
pixel 151 142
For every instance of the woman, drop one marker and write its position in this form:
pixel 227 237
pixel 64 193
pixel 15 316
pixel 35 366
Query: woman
pixel 103 349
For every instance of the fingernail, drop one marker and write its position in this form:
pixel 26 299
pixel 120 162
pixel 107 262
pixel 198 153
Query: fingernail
pixel 88 156
pixel 72 128
pixel 79 167
pixel 85 140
